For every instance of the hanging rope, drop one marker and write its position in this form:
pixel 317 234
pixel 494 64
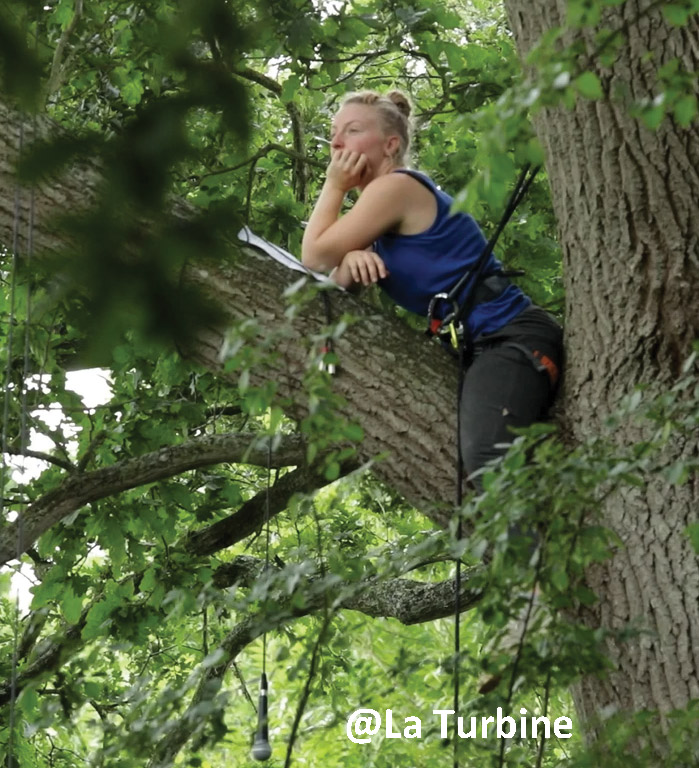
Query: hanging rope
pixel 459 536
pixel 465 350
pixel 23 426
pixel 261 749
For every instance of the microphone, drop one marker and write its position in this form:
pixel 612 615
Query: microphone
pixel 260 748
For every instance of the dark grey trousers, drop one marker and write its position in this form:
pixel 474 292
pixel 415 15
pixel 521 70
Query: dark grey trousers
pixel 505 387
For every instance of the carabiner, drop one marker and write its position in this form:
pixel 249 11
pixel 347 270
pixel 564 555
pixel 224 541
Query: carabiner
pixel 434 324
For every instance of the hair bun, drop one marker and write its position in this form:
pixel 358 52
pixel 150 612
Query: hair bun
pixel 401 101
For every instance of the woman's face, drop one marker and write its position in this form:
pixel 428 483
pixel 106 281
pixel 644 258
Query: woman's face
pixel 357 127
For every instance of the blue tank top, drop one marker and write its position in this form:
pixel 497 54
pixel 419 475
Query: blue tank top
pixel 433 261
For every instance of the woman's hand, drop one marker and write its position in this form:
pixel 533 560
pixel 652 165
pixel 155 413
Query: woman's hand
pixel 363 267
pixel 346 169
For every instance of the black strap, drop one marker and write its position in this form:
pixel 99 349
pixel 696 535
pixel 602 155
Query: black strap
pixel 474 277
pixel 476 272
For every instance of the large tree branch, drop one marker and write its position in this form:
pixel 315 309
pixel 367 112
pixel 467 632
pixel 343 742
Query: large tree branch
pixel 394 383
pixel 81 489
pixel 411 602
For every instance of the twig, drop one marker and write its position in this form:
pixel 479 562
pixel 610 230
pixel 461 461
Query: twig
pixel 62 463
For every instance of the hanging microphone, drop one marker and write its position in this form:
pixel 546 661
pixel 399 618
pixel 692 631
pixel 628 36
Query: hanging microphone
pixel 260 748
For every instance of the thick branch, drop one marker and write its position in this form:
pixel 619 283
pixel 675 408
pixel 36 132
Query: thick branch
pixel 251 514
pixel 80 489
pixel 410 602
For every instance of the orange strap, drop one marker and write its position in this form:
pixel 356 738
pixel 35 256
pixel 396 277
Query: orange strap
pixel 551 367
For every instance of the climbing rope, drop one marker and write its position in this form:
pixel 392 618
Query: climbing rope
pixel 460 338
pixel 261 749
pixel 23 427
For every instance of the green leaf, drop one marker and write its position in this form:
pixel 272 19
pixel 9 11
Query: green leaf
pixel 589 86
pixel 28 702
pixel 676 14
pixel 678 473
pixel 653 117
pixel 693 532
pixel 559 579
pixel 290 89
pixel 71 606
pixel 332 471
pixel 685 110
pixel 354 432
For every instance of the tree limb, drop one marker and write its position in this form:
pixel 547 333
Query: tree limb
pixel 262 152
pixel 58 65
pixel 80 489
pixel 47 457
pixel 224 533
pixel 410 602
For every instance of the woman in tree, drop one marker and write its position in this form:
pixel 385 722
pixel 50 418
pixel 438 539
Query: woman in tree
pixel 400 234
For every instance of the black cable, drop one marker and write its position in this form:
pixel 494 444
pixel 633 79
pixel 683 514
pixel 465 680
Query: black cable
pixel 261 749
pixel 525 180
pixel 465 356
pixel 459 533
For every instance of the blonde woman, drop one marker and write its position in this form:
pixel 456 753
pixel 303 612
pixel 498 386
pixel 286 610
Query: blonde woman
pixel 402 235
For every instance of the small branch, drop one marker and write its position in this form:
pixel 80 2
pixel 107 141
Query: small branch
pixel 62 463
pixel 297 128
pixel 257 77
pixel 257 156
pixel 58 65
pixel 89 454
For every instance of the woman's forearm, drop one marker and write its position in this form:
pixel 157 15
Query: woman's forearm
pixel 324 215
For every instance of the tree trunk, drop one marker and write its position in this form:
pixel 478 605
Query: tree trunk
pixel 626 201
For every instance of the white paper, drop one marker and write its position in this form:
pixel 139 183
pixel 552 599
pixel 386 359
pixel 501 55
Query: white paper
pixel 280 255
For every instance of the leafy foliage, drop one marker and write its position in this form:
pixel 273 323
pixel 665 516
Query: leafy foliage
pixel 121 657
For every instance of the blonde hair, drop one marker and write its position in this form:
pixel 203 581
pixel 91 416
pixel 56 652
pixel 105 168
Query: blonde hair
pixel 394 110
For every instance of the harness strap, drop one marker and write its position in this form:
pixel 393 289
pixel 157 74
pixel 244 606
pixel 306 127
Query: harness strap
pixel 476 276
pixel 541 362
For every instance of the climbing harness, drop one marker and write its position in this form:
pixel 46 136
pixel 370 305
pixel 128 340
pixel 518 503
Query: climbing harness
pixel 479 286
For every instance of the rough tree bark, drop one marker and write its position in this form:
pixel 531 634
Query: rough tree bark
pixel 625 200
pixel 398 386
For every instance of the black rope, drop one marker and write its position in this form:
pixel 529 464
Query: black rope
pixel 261 749
pixel 266 571
pixel 459 534
pixel 525 180
pixel 465 358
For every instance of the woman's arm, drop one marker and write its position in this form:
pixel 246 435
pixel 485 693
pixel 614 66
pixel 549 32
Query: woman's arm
pixel 380 208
